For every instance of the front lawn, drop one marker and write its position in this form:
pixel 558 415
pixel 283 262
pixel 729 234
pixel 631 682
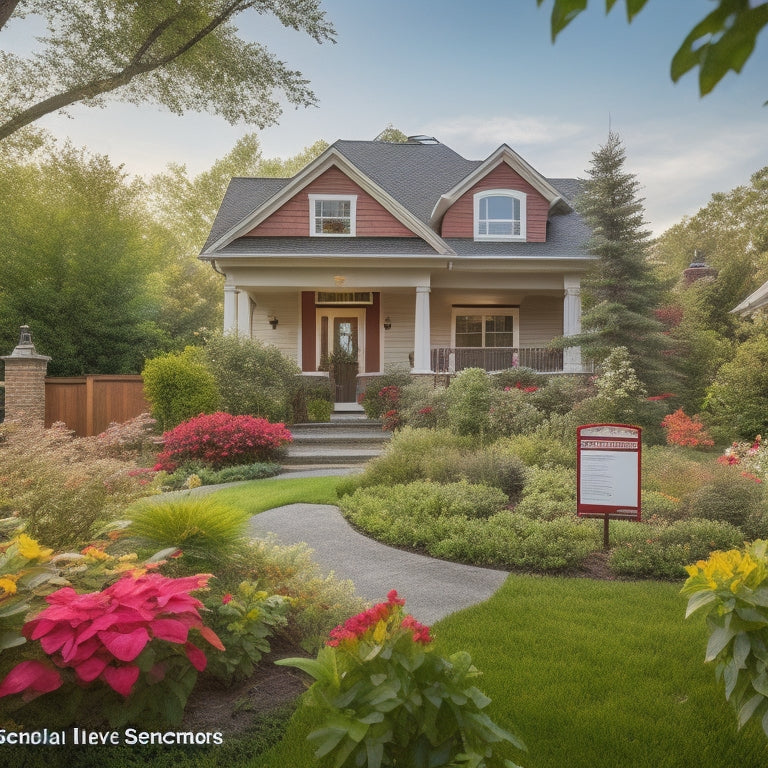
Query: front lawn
pixel 261 495
pixel 591 674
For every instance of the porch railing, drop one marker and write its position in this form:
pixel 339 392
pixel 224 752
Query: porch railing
pixel 454 359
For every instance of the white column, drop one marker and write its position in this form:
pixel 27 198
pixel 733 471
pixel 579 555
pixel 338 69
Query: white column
pixel 421 339
pixel 243 315
pixel 230 309
pixel 572 322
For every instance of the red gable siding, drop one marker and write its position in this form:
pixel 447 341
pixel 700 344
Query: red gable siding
pixel 292 219
pixel 458 219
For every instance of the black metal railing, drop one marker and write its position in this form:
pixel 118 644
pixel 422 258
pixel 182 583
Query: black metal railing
pixel 454 359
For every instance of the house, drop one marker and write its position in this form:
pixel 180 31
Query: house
pixel 756 301
pixel 404 254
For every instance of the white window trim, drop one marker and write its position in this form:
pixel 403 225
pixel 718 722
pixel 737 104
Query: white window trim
pixel 514 193
pixel 352 199
pixel 485 311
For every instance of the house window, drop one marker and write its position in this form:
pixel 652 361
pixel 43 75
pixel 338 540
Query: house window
pixel 500 215
pixel 491 327
pixel 332 215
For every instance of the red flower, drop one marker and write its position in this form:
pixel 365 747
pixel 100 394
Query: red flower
pixel 226 598
pixel 357 627
pixel 220 439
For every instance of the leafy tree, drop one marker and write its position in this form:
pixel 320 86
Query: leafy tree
pixel 723 40
pixel 158 52
pixel 737 401
pixel 621 289
pixel 392 135
pixel 189 293
pixel 731 234
pixel 76 263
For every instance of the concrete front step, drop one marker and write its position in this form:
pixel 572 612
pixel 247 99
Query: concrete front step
pixel 342 441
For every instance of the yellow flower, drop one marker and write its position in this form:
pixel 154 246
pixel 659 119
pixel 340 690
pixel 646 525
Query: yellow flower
pixel 731 570
pixel 8 585
pixel 96 554
pixel 30 549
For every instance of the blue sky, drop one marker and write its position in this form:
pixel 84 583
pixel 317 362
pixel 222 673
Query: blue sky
pixel 475 75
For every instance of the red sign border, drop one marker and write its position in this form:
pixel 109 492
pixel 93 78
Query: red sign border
pixel 606 510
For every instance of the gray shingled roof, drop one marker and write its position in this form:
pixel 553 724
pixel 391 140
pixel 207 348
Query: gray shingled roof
pixel 413 174
pixel 416 175
pixel 327 246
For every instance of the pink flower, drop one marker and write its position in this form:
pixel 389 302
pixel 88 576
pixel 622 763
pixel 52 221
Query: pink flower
pixel 226 598
pixel 31 678
pixel 100 635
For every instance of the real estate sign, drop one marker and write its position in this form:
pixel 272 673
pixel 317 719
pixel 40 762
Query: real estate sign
pixel 608 471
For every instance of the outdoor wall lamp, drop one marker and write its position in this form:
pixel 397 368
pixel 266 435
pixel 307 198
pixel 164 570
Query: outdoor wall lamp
pixel 387 323
pixel 272 321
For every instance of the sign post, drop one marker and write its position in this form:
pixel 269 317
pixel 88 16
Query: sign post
pixel 608 473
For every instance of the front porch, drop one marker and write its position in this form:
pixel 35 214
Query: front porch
pixel 455 359
pixel 372 321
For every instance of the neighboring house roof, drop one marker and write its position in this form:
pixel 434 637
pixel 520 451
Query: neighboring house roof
pixel 411 180
pixel 753 302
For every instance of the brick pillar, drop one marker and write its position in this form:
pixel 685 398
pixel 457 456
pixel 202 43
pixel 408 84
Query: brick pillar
pixel 25 380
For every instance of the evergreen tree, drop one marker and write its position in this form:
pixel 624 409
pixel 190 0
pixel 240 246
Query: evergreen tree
pixel 621 290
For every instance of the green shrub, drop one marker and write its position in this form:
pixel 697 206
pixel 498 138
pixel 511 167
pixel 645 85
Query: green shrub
pixel 560 394
pixel 244 621
pixel 201 527
pixel 549 493
pixel 468 401
pixel 729 497
pixel 305 390
pixel 467 523
pixel 674 471
pixel 668 549
pixel 511 540
pixel 512 377
pixel 423 405
pixel 180 478
pixel 492 466
pixel 416 454
pixel 62 489
pixel 441 456
pixel 659 505
pixel 179 386
pixel 253 378
pixel 319 410
pixel 552 443
pixel 319 602
pixel 416 514
pixel 375 404
pixel 512 412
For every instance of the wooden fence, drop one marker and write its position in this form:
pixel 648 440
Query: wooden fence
pixel 89 404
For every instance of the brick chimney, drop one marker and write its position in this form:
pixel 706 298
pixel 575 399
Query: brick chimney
pixel 698 270
pixel 25 380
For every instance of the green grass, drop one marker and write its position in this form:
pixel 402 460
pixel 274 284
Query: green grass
pixel 590 674
pixel 260 495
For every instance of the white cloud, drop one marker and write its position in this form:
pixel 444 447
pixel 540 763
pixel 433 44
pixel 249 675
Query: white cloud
pixel 476 136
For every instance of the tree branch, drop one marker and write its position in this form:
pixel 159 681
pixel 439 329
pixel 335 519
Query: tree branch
pixel 115 80
pixel 7 7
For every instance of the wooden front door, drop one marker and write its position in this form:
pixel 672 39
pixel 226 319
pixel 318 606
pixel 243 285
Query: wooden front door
pixel 340 343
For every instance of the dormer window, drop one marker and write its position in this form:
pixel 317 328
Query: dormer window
pixel 332 215
pixel 500 215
